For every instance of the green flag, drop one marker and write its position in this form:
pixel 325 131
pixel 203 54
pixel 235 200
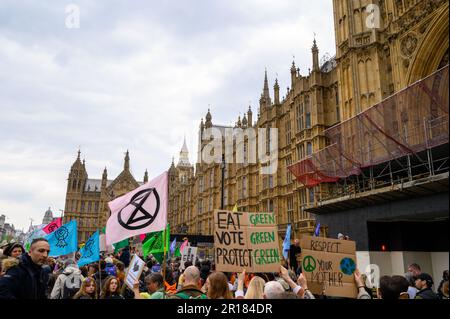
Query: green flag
pixel 153 243
pixel 121 244
pixel 177 252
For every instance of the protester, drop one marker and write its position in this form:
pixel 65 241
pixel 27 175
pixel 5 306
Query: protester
pixel 8 263
pixel 88 289
pixel 169 282
pixel 191 287
pixel 412 290
pixel 13 250
pixel 69 282
pixel 424 282
pixel 255 288
pixel 111 289
pixel 155 288
pixel 205 270
pixel 298 290
pixel 393 288
pixel 218 287
pixel 101 275
pixel 441 284
pixel 110 268
pixel 414 269
pixel 294 252
pixel 27 280
pixel 273 290
pixel 445 293
pixel 120 266
pixel 125 256
pixel 362 293
pixel 181 278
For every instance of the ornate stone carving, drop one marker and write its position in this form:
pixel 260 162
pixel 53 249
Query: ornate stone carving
pixel 408 45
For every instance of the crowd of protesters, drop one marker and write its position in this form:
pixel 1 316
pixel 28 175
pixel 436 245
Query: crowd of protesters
pixel 33 275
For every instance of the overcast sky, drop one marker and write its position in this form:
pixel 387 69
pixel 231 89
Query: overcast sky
pixel 136 75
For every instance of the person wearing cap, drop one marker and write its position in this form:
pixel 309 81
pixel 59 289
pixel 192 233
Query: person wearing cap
pixel 424 282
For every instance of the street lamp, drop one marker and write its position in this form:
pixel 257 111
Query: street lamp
pixel 222 166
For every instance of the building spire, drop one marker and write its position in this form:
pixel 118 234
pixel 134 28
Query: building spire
pixel 184 155
pixel 266 85
pixel 315 53
pixel 276 89
pixel 146 176
pixel 126 165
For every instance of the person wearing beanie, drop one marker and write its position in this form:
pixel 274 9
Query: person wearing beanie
pixel 424 282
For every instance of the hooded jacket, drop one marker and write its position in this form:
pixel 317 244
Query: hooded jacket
pixel 25 280
pixel 71 270
pixel 9 263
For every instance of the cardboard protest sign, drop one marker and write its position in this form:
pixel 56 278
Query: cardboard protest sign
pixel 329 265
pixel 134 271
pixel 189 254
pixel 246 240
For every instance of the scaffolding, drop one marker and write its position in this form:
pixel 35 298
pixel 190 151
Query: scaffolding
pixel 404 137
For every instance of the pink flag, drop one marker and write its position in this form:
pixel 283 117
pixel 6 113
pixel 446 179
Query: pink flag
pixel 141 211
pixel 142 237
pixel 54 225
pixel 183 245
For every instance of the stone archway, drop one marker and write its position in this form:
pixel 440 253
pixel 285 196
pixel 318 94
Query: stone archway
pixel 433 49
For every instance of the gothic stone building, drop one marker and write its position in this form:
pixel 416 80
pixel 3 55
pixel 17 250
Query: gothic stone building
pixel 87 199
pixel 407 41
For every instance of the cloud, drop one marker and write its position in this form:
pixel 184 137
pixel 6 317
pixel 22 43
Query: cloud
pixel 137 75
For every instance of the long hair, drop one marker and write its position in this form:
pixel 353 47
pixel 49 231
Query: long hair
pixel 218 286
pixel 255 288
pixel 82 292
pixel 106 292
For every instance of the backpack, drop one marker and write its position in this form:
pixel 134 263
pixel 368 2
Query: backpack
pixel 183 295
pixel 71 286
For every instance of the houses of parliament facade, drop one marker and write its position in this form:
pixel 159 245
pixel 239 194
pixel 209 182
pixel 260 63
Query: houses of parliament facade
pixel 376 56
pixel 378 52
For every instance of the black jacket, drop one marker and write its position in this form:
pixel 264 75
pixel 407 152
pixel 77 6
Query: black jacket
pixel 426 294
pixel 24 281
pixel 125 257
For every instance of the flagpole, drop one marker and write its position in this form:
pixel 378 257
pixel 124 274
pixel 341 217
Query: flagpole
pixel 164 257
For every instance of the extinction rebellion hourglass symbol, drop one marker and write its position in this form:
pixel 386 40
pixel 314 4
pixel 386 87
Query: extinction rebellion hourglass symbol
pixel 61 235
pixel 88 248
pixel 135 206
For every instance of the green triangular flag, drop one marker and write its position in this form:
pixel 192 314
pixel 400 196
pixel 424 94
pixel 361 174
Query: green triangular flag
pixel 177 252
pixel 153 243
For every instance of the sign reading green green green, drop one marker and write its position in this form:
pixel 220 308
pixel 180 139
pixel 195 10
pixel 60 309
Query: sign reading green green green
pixel 246 240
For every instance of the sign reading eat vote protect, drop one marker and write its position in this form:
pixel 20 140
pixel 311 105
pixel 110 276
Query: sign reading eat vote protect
pixel 328 265
pixel 246 241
